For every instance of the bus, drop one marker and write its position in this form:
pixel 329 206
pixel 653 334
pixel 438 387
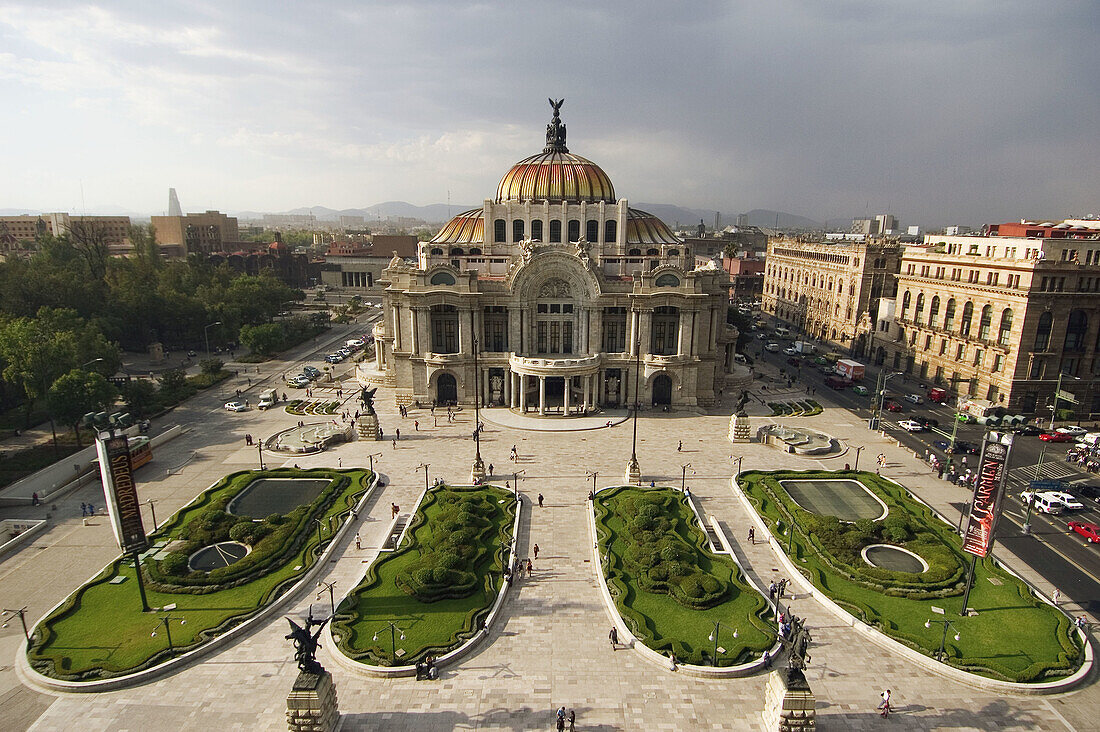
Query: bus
pixel 141 451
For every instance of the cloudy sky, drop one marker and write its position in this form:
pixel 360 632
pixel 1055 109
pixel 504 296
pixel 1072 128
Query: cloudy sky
pixel 941 111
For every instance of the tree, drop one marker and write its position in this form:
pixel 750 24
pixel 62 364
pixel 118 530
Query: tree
pixel 90 239
pixel 140 397
pixel 263 339
pixel 75 394
pixel 34 357
pixel 144 241
pixel 211 366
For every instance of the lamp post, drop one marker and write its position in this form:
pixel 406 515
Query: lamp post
pixel 859 449
pixel 22 613
pixel 477 472
pixel 714 637
pixel 331 598
pixel 683 476
pixel 166 621
pixel 394 631
pixel 260 450
pixel 94 360
pixel 1030 499
pixel 790 536
pixel 424 467
pixel 153 510
pixel 941 654
pixel 516 475
pixel 738 459
pixel 319 525
pixel 592 474
pixel 882 391
pixel 371 458
pixel 633 469
pixel 1057 390
pixel 206 334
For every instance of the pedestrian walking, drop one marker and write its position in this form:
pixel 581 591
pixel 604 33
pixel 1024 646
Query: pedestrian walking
pixel 530 568
pixel 358 542
pixel 613 636
pixel 1056 596
pixel 397 433
pixel 35 500
pixel 416 424
pixel 339 462
pixel 772 588
pixel 394 444
pixel 561 720
pixel 572 720
pixel 540 500
pixel 536 548
pixel 490 468
pixel 752 535
pixel 884 705
pixel 83 509
pixel 680 446
pixel 394 510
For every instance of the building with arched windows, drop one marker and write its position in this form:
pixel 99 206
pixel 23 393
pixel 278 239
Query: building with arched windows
pixel 1002 318
pixel 568 295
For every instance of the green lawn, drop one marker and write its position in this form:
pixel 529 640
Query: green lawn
pixel 430 628
pixel 100 631
pixel 1014 636
pixel 658 619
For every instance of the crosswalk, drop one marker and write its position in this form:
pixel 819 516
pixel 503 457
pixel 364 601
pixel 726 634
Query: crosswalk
pixel 1049 470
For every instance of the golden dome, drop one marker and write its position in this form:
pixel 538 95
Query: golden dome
pixel 466 228
pixel 645 228
pixel 555 176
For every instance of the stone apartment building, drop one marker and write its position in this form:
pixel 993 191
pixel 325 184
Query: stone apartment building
pixel 23 230
pixel 211 232
pixel 1002 318
pixel 830 290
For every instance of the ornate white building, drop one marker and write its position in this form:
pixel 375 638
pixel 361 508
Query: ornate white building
pixel 565 292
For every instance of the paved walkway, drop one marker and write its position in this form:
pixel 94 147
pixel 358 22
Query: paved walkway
pixel 550 648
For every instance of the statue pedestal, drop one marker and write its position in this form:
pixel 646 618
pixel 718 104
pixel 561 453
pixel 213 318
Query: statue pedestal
pixel 312 706
pixel 477 472
pixel 789 704
pixel 633 472
pixel 367 427
pixel 740 430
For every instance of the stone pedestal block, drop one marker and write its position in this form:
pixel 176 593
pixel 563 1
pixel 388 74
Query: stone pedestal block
pixel 633 472
pixel 312 706
pixel 789 704
pixel 477 472
pixel 740 429
pixel 367 427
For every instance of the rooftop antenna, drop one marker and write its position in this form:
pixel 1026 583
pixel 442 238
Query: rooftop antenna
pixel 448 203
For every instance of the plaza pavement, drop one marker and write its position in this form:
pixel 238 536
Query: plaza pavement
pixel 551 648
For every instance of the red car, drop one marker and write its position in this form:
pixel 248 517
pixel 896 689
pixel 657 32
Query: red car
pixel 893 407
pixel 1056 437
pixel 1087 530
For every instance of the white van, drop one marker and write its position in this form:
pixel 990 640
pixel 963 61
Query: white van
pixel 783 332
pixel 1047 503
pixel 268 399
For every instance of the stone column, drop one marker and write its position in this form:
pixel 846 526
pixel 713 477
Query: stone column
pixel 645 328
pixel 312 703
pixel 523 393
pixel 542 395
pixel 683 340
pixel 397 327
pixel 379 347
pixel 508 388
pixel 425 321
pixel 415 331
pixel 633 332
pixel 568 386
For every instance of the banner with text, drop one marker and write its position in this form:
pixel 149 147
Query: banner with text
pixel 985 508
pixel 120 491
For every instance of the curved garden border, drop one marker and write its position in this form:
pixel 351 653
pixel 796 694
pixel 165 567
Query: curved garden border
pixel 884 641
pixel 28 675
pixel 454 655
pixel 865 489
pixel 652 656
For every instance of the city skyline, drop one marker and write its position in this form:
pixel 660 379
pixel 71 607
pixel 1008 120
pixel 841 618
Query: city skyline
pixel 938 114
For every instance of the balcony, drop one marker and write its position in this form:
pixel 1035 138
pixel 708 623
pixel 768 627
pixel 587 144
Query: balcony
pixel 549 365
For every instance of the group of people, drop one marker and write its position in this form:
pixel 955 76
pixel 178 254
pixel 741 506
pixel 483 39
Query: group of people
pixel 776 590
pixel 1085 459
pixel 564 718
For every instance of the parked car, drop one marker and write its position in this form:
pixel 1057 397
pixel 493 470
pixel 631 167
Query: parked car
pixel 893 406
pixel 962 447
pixel 301 380
pixel 926 422
pixel 1088 492
pixel 913 399
pixel 860 389
pixel 1056 437
pixel 334 358
pixel 1043 502
pixel 911 426
pixel 772 347
pixel 791 351
pixel 312 372
pixel 1087 530
pixel 1072 430
pixel 1027 430
pixel 236 406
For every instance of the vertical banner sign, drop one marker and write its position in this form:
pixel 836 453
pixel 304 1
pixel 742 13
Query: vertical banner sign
pixel 121 493
pixel 985 509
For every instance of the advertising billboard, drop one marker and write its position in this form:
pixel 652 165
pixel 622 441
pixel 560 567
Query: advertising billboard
pixel 985 508
pixel 120 492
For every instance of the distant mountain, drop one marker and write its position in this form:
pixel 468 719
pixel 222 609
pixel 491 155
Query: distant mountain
pixel 688 218
pixel 432 213
pixel 765 218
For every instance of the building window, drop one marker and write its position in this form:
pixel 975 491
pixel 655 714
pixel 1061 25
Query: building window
pixel 666 326
pixel 610 231
pixel 939 374
pixel 555 231
pixel 1076 327
pixel 592 230
pixel 934 312
pixel 457 251
pixel 536 229
pixel 992 393
pixel 960 351
pixel 928 343
pixel 496 328
pixel 574 230
pixel 498 230
pixel 943 346
pixel 444 320
pixel 998 361
pixel 919 314
pixel 906 299
pixel 517 230
pixel 949 315
pixel 985 322
pixel 614 330
pixel 967 318
pixel 1042 332
pixel 1036 371
pixel 978 356
pixel 1005 330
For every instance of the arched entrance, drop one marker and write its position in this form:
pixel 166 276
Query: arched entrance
pixel 662 390
pixel 446 390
